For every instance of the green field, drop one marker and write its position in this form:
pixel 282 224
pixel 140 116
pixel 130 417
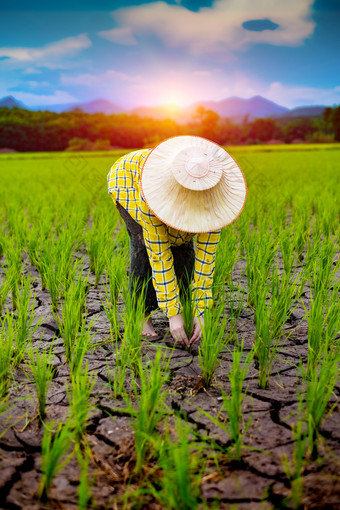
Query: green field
pixel 92 416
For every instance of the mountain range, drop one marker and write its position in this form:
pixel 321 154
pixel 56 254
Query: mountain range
pixel 235 108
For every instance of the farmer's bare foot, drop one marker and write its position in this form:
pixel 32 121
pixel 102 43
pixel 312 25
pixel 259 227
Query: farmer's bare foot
pixel 148 329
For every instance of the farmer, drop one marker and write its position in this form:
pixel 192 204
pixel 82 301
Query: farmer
pixel 186 186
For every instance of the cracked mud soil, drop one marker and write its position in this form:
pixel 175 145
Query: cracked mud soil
pixel 258 481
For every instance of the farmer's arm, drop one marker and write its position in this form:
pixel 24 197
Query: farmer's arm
pixel 205 251
pixel 163 273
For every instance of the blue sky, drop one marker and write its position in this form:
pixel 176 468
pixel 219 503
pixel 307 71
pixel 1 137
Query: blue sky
pixel 137 53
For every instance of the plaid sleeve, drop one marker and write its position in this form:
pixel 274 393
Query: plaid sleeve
pixel 123 181
pixel 161 259
pixel 206 245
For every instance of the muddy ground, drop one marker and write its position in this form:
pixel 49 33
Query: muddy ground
pixel 256 482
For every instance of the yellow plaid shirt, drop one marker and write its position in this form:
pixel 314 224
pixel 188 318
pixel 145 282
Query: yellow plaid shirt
pixel 124 187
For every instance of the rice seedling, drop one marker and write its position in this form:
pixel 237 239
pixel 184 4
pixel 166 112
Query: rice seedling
pixel 226 258
pixel 134 316
pixel 147 407
pixel 323 319
pixel 235 427
pixel 41 372
pixel 5 287
pixel 294 467
pixel 214 340
pixel 188 308
pixel 55 454
pixel 265 347
pixel 286 241
pixel 97 239
pixel 7 335
pixel 285 291
pixel 82 343
pixel 319 386
pixel 182 465
pixel 25 319
pixel 14 261
pixel 258 273
pixel 114 281
pixel 71 318
pixel 79 395
pixel 84 489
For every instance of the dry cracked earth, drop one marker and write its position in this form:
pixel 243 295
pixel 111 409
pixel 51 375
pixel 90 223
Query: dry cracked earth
pixel 257 482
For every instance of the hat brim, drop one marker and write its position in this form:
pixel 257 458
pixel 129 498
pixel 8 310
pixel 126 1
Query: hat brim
pixel 190 210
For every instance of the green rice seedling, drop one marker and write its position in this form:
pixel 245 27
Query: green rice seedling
pixel 323 319
pixel 301 229
pixel 97 239
pixel 25 318
pixel 285 291
pixel 286 241
pixel 84 489
pixel 265 347
pixel 79 395
pixel 214 340
pixel 55 454
pixel 182 464
pixel 71 319
pixel 14 258
pixel 134 316
pixel 260 256
pixel 41 373
pixel 188 307
pixel 82 343
pixel 114 281
pixel 294 468
pixel 147 407
pixel 17 224
pixel 321 271
pixel 319 387
pixel 5 287
pixel 2 243
pixel 235 307
pixel 7 335
pixel 226 257
pixel 235 427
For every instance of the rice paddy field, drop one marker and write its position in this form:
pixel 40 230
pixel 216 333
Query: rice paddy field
pixel 94 416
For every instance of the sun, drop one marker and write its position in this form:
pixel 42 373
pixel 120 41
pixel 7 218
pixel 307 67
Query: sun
pixel 174 99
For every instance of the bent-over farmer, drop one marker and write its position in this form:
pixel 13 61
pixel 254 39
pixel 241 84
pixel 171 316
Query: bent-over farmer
pixel 174 200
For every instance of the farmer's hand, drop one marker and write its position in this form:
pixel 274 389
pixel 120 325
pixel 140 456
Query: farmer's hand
pixel 197 327
pixel 177 330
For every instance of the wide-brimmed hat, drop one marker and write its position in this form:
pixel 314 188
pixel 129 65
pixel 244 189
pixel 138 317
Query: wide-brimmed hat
pixel 192 184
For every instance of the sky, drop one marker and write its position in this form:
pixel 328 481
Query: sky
pixel 148 53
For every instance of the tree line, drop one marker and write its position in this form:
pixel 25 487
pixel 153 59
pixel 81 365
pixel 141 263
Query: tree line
pixel 26 130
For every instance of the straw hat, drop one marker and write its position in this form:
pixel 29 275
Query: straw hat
pixel 192 184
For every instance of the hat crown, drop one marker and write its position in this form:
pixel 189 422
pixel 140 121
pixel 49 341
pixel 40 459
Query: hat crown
pixel 197 166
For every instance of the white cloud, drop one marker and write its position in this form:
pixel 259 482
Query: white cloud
pixel 51 55
pixel 93 80
pixel 217 28
pixel 58 97
pixel 119 35
pixel 292 96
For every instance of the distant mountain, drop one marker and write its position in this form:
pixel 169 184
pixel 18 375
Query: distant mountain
pixel 96 106
pixel 255 107
pixel 304 111
pixel 11 102
pixel 100 106
pixel 235 108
